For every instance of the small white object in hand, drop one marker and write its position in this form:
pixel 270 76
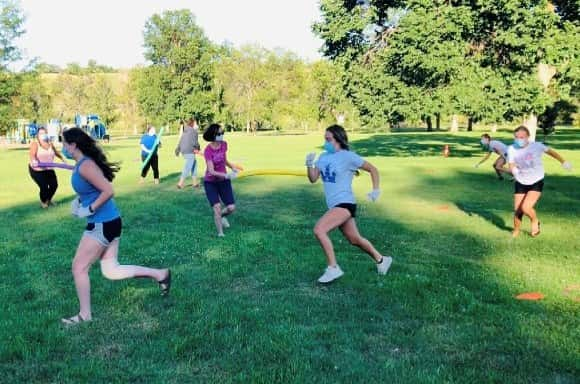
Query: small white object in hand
pixel 74 206
pixel 374 195
pixel 310 159
pixel 567 165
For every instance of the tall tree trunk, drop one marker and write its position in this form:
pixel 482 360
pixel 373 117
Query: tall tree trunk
pixel 454 124
pixel 429 124
pixel 469 124
pixel 437 121
pixel 531 122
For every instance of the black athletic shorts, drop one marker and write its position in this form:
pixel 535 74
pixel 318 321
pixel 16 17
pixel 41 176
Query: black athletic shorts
pixel 348 206
pixel 105 232
pixel 519 188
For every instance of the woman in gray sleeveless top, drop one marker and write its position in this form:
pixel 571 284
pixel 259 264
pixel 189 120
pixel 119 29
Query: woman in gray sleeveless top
pixel 188 146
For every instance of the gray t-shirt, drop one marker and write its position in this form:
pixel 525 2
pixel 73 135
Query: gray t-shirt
pixel 189 140
pixel 336 171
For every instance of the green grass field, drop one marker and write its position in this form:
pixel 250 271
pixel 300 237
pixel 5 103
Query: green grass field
pixel 246 308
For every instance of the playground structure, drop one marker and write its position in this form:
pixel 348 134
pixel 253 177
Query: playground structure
pixel 93 125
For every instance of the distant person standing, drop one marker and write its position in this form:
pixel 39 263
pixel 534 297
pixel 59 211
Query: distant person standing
pixel 42 150
pixel 149 147
pixel 500 149
pixel 188 145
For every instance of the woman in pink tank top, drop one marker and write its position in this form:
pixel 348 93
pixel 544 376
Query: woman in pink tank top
pixel 43 151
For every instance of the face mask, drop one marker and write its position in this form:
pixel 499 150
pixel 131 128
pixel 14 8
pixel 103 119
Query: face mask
pixel 520 143
pixel 45 138
pixel 219 137
pixel 67 154
pixel 329 147
pixel 484 142
pixel 152 133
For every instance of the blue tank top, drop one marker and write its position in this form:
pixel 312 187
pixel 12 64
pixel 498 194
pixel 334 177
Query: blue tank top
pixel 88 194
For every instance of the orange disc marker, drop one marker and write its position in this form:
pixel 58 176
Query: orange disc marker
pixel 530 296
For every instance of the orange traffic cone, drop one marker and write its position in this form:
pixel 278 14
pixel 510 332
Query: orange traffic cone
pixel 446 151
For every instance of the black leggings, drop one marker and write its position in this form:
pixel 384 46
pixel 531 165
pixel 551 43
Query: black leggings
pixel 46 181
pixel 153 163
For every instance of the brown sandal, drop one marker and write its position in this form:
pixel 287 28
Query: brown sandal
pixel 165 284
pixel 74 320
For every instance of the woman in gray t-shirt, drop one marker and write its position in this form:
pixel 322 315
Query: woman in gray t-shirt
pixel 188 146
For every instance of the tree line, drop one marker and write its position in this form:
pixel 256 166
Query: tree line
pixel 387 63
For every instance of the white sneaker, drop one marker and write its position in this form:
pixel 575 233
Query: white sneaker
pixel 225 223
pixel 221 235
pixel 384 266
pixel 330 274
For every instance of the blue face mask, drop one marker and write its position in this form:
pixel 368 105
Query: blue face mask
pixel 45 138
pixel 520 143
pixel 67 154
pixel 329 147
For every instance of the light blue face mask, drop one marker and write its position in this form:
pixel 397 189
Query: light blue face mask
pixel 520 143
pixel 219 137
pixel 329 147
pixel 67 154
pixel 45 138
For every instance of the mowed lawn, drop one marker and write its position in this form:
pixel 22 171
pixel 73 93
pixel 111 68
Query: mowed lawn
pixel 246 308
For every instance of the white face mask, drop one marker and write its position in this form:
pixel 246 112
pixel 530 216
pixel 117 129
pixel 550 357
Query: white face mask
pixel 484 142
pixel 151 132
pixel 220 137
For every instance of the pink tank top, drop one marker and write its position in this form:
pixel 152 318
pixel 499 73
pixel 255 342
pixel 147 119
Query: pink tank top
pixel 44 156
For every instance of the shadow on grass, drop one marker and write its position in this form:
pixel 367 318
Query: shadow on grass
pixel 413 145
pixel 246 308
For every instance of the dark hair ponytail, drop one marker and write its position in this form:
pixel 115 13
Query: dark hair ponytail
pixel 339 135
pixel 90 149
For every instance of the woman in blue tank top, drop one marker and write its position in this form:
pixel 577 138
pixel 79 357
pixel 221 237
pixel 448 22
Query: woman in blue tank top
pixel 91 180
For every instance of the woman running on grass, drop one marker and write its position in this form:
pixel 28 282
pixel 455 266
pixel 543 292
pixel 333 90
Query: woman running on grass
pixel 500 149
pixel 91 180
pixel 525 162
pixel 217 181
pixel 336 167
pixel 43 151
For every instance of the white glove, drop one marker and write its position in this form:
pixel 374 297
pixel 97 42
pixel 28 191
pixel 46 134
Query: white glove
pixel 374 195
pixel 567 165
pixel 83 212
pixel 74 206
pixel 231 175
pixel 310 159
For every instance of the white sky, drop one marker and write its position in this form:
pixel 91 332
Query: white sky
pixel 111 31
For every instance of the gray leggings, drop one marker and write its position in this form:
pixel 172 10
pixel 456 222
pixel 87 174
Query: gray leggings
pixel 190 166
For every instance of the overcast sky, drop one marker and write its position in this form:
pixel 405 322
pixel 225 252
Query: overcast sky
pixel 111 32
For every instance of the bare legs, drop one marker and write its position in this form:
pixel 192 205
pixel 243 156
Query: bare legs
pixel 524 205
pixel 341 218
pixel 89 251
pixel 498 167
pixel 219 213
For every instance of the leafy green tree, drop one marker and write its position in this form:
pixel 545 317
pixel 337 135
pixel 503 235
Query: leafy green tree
pixel 455 55
pixel 102 100
pixel 34 101
pixel 179 81
pixel 11 20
